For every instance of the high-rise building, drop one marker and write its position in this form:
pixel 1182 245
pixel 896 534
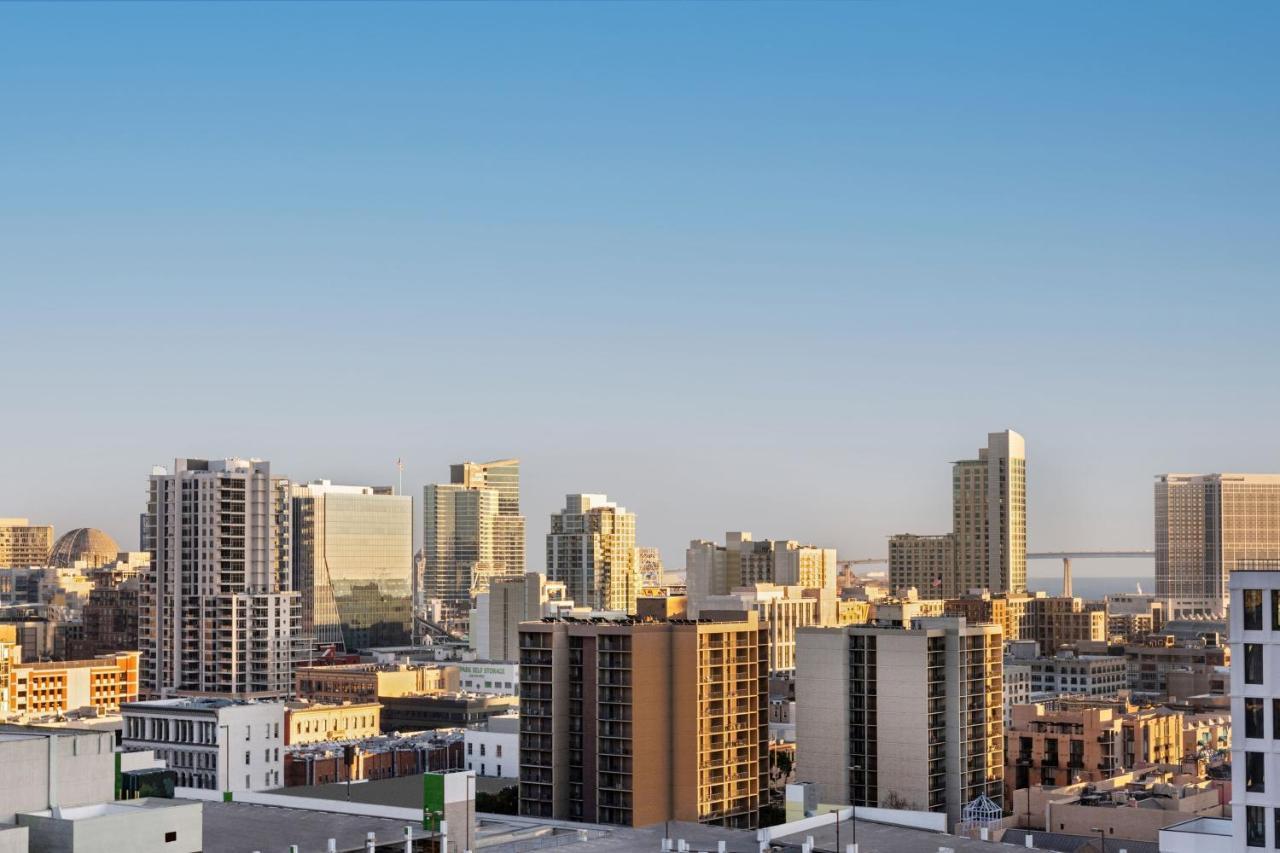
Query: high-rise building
pixel 905 718
pixel 925 563
pixel 23 543
pixel 633 723
pixel 713 570
pixel 472 531
pixel 1255 707
pixel 217 610
pixel 782 608
pixel 503 476
pixel 353 564
pixel 989 515
pixel 495 621
pixel 591 549
pixel 1207 526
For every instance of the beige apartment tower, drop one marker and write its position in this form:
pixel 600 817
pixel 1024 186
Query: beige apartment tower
pixel 989 516
pixel 714 570
pixel 906 718
pixel 472 531
pixel 591 549
pixel 1207 526
pixel 924 563
pixel 217 611
pixel 23 543
pixel 634 723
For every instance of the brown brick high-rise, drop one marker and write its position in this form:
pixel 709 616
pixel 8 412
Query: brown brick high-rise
pixel 636 722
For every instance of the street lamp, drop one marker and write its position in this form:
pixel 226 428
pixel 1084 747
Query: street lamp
pixel 1102 836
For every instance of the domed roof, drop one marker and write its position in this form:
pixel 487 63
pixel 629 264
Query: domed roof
pixel 84 543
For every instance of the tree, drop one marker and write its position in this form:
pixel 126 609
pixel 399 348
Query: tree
pixel 506 801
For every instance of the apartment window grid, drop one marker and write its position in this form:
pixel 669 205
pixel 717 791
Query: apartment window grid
pixel 614 656
pixel 863 785
pixel 936 695
pixel 576 719
pixel 536 774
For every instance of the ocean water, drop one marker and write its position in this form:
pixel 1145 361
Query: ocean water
pixel 1093 578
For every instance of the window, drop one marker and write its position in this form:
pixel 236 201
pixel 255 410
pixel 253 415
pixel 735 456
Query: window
pixel 1252 609
pixel 498 752
pixel 482 749
pixel 247 786
pixel 246 756
pixel 1255 826
pixel 170 837
pixel 266 755
pixel 1253 718
pixel 1275 610
pixel 246 732
pixel 469 748
pixel 1255 772
pixel 1252 663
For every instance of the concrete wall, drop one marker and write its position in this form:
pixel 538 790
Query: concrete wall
pixel 902 718
pixel 85 771
pixel 822 711
pixel 13 839
pixel 482 751
pixel 1133 824
pixel 136 829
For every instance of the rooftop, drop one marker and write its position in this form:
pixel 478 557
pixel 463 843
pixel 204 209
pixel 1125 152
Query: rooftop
pixel 238 827
pixel 193 703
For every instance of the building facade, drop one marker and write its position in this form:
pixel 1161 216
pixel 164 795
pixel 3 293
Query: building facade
pixel 714 569
pixel 1207 526
pixel 217 610
pixel 363 683
pixel 633 723
pixel 499 610
pixel 23 543
pixel 353 564
pixel 212 744
pixel 1255 708
pixel 924 563
pixel 472 531
pixel 989 516
pixel 306 722
pixel 1078 675
pixel 494 749
pixel 902 717
pixel 591 549
pixel 38 689
pixel 783 609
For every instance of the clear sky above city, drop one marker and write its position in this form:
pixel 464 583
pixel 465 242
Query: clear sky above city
pixel 738 265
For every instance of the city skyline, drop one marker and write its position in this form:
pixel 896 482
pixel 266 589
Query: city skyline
pixel 905 226
pixel 673 554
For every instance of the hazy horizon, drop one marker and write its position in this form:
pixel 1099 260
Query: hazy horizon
pixel 739 266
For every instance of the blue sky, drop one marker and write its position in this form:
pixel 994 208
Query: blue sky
pixel 762 266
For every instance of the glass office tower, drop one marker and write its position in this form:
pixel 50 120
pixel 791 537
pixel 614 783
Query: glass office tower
pixel 353 563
